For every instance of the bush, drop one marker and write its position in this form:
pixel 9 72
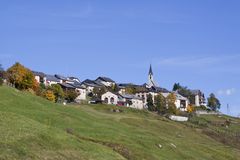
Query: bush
pixel 49 95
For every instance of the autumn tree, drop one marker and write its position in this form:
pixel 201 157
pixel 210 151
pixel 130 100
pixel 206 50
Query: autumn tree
pixel 213 102
pixel 20 77
pixel 49 95
pixel 190 108
pixel 170 102
pixel 150 103
pixel 160 103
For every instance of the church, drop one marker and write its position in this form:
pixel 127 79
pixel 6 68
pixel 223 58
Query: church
pixel 152 88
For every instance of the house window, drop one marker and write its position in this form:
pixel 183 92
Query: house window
pixel 106 100
pixel 112 100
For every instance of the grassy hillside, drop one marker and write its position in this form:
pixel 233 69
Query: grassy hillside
pixel 33 128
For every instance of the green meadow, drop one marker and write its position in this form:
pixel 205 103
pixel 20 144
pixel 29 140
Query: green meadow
pixel 34 128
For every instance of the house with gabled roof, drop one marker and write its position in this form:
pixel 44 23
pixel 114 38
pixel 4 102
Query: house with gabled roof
pixel 108 82
pixel 90 85
pixel 51 79
pixel 127 100
pixel 74 79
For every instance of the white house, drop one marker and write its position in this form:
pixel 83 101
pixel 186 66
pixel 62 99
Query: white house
pixel 51 79
pixel 90 85
pixel 110 98
pixel 123 100
pixel 144 95
pixel 105 81
pixel 132 101
pixel 81 91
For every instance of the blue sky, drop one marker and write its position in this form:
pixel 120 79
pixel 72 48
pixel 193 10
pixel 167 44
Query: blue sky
pixel 192 42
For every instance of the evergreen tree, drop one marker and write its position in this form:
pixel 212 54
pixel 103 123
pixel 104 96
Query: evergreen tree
pixel 150 104
pixel 176 86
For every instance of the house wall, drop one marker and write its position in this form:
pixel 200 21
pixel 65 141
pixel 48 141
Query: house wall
pixel 197 100
pixel 144 96
pixel 178 104
pixel 110 95
pixel 49 83
pixel 137 103
pixel 37 78
pixel 82 94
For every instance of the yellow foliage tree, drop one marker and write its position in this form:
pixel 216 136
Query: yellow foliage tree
pixel 21 77
pixel 170 99
pixel 49 95
pixel 190 108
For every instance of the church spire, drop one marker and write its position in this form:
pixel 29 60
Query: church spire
pixel 150 70
pixel 151 82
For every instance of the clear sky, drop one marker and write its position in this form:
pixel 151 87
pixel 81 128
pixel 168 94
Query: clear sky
pixel 194 42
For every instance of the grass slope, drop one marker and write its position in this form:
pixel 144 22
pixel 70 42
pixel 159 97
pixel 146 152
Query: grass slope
pixel 33 128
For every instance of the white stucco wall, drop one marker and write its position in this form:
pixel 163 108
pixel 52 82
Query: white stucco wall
pixel 49 83
pixel 110 95
pixel 82 94
pixel 144 95
pixel 137 103
pixel 37 78
pixel 197 101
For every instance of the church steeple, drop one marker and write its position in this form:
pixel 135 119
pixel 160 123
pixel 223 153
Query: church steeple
pixel 150 70
pixel 151 82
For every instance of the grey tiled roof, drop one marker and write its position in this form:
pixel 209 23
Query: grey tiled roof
pixel 106 79
pixel 60 77
pixel 52 78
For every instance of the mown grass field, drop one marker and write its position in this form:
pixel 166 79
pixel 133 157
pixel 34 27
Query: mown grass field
pixel 33 128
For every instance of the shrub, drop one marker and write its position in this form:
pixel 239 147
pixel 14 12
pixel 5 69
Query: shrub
pixel 49 95
pixel 70 95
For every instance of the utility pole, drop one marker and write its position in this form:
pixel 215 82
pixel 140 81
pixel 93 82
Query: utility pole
pixel 228 109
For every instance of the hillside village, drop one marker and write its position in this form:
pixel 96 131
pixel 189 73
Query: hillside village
pixel 105 90
pixel 118 93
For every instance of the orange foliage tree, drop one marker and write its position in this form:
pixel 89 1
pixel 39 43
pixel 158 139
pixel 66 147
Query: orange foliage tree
pixel 49 95
pixel 21 77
